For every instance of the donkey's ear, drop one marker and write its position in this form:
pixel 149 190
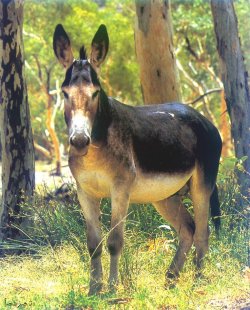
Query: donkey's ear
pixel 99 47
pixel 62 47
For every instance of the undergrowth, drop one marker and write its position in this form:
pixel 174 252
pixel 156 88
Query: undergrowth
pixel 52 271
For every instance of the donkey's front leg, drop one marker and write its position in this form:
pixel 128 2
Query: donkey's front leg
pixel 120 202
pixel 91 211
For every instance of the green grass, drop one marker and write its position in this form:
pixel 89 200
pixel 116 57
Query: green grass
pixel 53 270
pixel 58 279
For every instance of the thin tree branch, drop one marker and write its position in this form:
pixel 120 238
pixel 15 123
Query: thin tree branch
pixel 27 65
pixel 210 91
pixel 38 68
pixel 42 150
pixel 190 49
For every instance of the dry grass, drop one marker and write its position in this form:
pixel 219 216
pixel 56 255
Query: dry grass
pixel 58 279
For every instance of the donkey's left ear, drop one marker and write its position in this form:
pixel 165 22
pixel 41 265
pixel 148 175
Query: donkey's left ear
pixel 99 47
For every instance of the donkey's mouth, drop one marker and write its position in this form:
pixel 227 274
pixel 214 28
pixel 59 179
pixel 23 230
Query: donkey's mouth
pixel 83 151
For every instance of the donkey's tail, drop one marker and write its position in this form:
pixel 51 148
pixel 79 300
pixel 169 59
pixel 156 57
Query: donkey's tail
pixel 215 210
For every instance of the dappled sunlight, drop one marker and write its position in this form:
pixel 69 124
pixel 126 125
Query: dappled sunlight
pixel 51 274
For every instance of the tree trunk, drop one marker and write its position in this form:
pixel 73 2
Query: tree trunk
pixel 234 78
pixel 155 52
pixel 18 178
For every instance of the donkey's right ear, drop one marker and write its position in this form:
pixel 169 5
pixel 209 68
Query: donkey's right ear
pixel 62 47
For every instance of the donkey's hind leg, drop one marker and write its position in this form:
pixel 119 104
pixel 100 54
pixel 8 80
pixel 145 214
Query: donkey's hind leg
pixel 175 213
pixel 200 193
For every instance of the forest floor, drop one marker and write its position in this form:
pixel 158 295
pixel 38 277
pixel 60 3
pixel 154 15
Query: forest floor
pixel 45 173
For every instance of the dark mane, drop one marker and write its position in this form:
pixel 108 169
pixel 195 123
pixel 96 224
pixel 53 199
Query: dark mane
pixel 83 53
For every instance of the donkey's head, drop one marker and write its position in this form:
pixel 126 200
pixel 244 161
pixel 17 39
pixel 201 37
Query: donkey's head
pixel 81 87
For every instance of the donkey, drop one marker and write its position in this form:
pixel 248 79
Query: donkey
pixel 135 154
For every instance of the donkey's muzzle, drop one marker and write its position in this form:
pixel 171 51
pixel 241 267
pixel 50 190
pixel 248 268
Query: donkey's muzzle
pixel 79 141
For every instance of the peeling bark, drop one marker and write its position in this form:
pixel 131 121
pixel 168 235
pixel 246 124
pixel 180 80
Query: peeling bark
pixel 18 177
pixel 234 78
pixel 155 52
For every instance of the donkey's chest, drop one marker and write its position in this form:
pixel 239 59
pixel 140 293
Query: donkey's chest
pixel 95 183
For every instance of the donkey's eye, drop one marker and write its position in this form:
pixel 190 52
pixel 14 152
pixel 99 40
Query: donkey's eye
pixel 65 94
pixel 95 94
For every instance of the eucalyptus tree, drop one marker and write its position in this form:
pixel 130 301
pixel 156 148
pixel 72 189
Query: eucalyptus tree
pixel 234 77
pixel 16 135
pixel 155 52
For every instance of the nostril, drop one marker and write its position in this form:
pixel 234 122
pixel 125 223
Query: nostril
pixel 71 140
pixel 76 141
pixel 87 140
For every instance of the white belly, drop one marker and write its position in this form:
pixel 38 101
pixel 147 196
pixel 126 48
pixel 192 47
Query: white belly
pixel 151 188
pixel 146 187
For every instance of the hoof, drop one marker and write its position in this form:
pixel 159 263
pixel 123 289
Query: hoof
pixel 199 275
pixel 171 279
pixel 112 289
pixel 113 286
pixel 170 275
pixel 95 289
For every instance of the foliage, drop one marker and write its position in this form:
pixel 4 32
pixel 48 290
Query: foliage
pixel 196 50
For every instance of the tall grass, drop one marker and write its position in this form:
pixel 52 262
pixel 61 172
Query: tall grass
pixel 235 211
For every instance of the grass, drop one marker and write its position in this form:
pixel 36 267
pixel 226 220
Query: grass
pixel 53 270
pixel 58 279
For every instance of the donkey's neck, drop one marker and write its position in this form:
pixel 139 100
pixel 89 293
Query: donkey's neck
pixel 102 119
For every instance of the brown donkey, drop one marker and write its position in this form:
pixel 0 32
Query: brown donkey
pixel 138 154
